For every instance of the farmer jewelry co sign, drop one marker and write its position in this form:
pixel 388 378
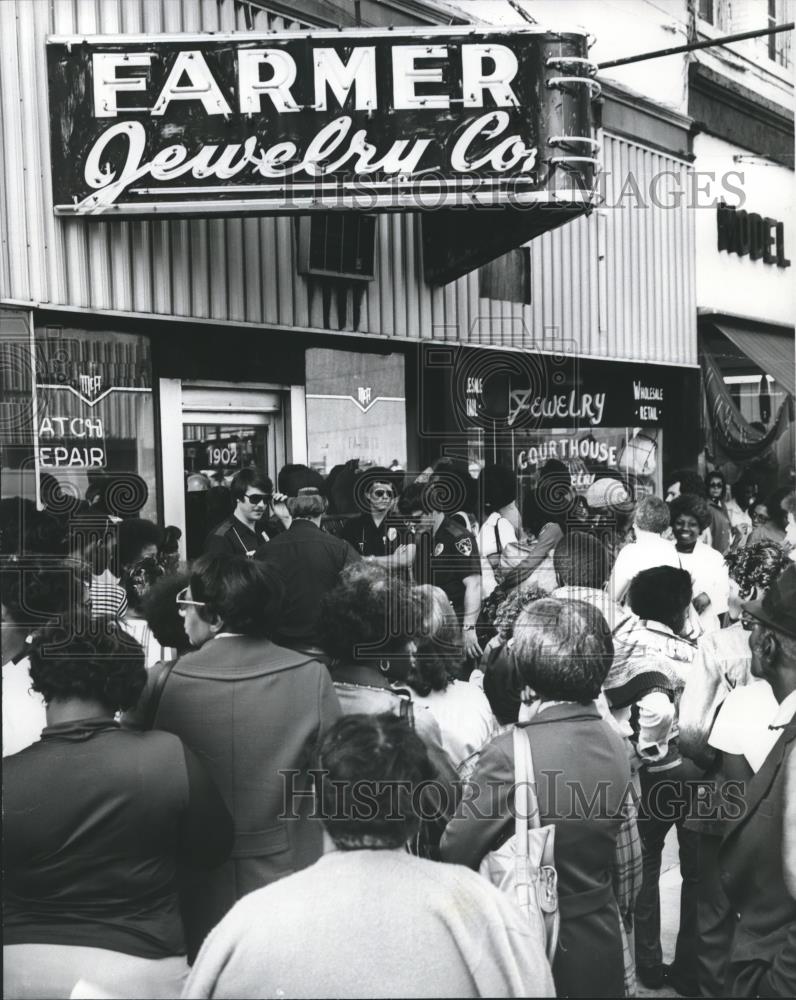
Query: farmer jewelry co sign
pixel 280 122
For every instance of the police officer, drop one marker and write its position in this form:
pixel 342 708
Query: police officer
pixel 378 532
pixel 309 561
pixel 244 532
pixel 446 553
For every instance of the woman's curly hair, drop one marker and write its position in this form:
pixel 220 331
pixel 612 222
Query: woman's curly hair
pixel 438 657
pixel 693 505
pixel 362 618
pixel 755 567
pixel 516 602
pixel 39 590
pixel 100 662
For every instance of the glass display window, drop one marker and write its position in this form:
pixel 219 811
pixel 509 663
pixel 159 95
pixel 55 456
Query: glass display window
pixel 630 454
pixel 356 409
pixel 94 427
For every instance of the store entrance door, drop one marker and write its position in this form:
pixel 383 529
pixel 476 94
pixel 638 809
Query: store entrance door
pixel 225 428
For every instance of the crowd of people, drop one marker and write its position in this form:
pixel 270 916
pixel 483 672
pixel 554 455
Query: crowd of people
pixel 297 764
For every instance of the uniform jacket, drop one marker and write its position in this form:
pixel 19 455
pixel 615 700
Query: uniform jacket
pixel 250 710
pixel 763 954
pixel 589 959
pixel 445 559
pixel 309 561
pixel 233 537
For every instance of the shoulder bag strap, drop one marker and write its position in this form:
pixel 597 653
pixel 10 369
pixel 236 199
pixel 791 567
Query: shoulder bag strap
pixel 498 543
pixel 406 710
pixel 525 777
pixel 157 693
pixel 520 793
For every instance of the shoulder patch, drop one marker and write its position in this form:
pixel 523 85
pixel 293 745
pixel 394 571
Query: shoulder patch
pixel 439 548
pixel 465 545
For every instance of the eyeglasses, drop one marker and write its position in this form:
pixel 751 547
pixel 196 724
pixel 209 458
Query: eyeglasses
pixel 183 600
pixel 257 498
pixel 382 494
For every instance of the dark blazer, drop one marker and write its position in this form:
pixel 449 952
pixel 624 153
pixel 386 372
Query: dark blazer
pixel 309 562
pixel 253 713
pixel 577 758
pixel 763 954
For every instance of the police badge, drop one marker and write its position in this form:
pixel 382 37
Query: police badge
pixel 392 534
pixel 465 546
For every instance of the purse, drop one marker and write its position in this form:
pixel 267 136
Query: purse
pixel 524 866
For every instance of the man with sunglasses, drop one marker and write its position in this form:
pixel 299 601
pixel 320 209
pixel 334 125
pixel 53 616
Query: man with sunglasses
pixel 755 864
pixel 243 533
pixel 377 532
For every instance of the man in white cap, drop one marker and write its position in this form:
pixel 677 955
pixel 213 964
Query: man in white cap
pixel 649 549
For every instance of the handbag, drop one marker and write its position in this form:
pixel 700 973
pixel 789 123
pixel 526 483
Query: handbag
pixel 524 866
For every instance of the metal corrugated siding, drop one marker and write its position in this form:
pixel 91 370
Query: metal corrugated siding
pixel 644 288
pixel 243 269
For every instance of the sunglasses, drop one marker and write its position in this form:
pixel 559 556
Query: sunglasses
pixel 388 494
pixel 182 600
pixel 257 498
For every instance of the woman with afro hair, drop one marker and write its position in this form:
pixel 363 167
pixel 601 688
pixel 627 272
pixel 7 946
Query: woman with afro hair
pixel 690 515
pixel 96 819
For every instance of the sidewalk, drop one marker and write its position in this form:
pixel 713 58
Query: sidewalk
pixel 670 909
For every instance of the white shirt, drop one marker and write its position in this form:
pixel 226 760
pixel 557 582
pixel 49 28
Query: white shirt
pixel 785 711
pixel 648 551
pixel 736 515
pixel 464 716
pixel 495 529
pixel 742 723
pixel 709 575
pixel 24 711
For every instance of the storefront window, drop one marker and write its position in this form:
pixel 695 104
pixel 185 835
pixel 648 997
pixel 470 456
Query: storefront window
pixel 629 454
pixel 16 406
pixel 356 408
pixel 91 422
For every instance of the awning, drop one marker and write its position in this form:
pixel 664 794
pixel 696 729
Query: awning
pixel 771 350
pixel 732 435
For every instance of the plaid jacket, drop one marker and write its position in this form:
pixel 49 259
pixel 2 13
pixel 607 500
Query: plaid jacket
pixel 627 885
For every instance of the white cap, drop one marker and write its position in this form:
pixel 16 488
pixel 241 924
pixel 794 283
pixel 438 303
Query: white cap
pixel 607 493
